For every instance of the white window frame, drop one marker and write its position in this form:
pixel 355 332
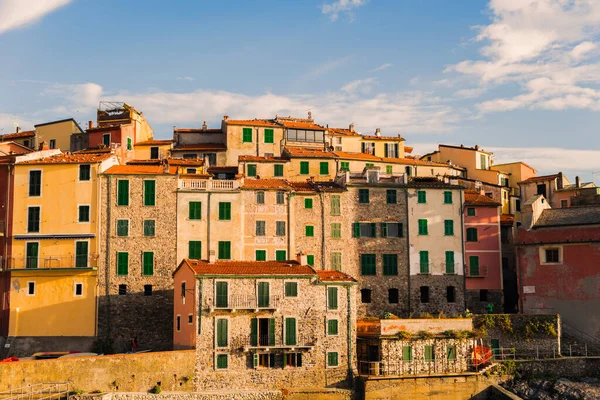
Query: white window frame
pixel 228 332
pixel 327 319
pixel 89 214
pixel 27 218
pixel 79 173
pixel 87 263
pixel 297 289
pixel 551 247
pixel 215 361
pixel 215 295
pixel 75 289
pixel 41 182
pixel 34 288
pixel 128 227
pixel 327 359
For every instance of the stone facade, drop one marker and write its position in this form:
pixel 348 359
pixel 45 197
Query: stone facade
pixel 138 302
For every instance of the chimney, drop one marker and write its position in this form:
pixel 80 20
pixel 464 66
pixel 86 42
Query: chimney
pixel 302 258
pixel 225 117
pixel 476 147
pixel 212 257
pixel 351 128
pixel 44 146
pixel 204 126
pixel 90 124
pixel 310 116
pixel 18 128
pixel 378 132
pixel 577 182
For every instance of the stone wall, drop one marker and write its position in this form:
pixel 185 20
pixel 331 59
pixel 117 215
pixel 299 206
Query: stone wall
pixel 476 306
pixel 438 302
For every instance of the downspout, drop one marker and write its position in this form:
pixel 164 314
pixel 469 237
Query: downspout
pixel 207 228
pixel 462 236
pixel 519 280
pixel 99 201
pixel 257 144
pixel 349 325
pixel 322 230
pixel 107 256
pixel 289 223
pixel 200 305
pixel 408 246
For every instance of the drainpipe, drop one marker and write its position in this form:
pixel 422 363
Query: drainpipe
pixel 322 230
pixel 200 305
pixel 207 228
pixel 462 236
pixel 107 256
pixel 349 325
pixel 519 281
pixel 99 201
pixel 408 246
pixel 257 143
pixel 289 219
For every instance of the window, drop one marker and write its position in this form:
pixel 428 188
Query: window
pixel 224 250
pixel 123 192
pixel 222 334
pixel 30 288
pixel 81 254
pixel 106 139
pixel 408 171
pixel 552 256
pixel 393 297
pixel 424 292
pixel 247 135
pixel 365 296
pixel 84 172
pixel 368 148
pixel 78 289
pixel 194 249
pixel 364 229
pixel 336 230
pixel 423 228
pixel 388 169
pixel 310 260
pixel 33 219
pixel 190 156
pixel 154 153
pixel 392 229
pixel 261 228
pixel 178 319
pixel 483 161
pixel 451 353
pixel 183 291
pixel 122 227
pixel 564 203
pixel 35 183
pixel 291 289
pixel 277 170
pixel 470 212
pixel 129 144
pixel 280 255
pixel 269 136
pixel 407 353
pixel 504 182
pixel 429 354
pixel 280 197
pixel 52 143
pixel 221 294
pixel 260 255
pixel 260 197
pixel 336 261
pixel 391 150
pixel 390 264
pixel 224 211
pixel 344 166
pixel 84 214
pixel 390 196
pixel 190 170
pixel 147 290
pixel 280 228
pixel 451 294
pixel 518 205
pixel 148 263
pixel 149 193
pixel 450 263
pixel 332 298
pixel 263 294
pixel 368 264
pixel 483 295
pixel 424 262
pixel 421 197
pixel 449 227
pixel 471 234
pixel 541 189
pixel 31 254
pixel 149 227
pixel 308 203
pixel 332 359
pixel 190 319
pixel 122 263
pixel 332 327
pixel 251 169
pixel 26 143
pixel 309 231
pixel 304 169
pixel 363 196
pixel 474 266
pixel 324 168
pixel 335 205
pixel 290 331
pixel 447 197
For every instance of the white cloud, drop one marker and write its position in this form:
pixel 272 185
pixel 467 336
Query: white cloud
pixel 8 122
pixel 185 78
pixel 361 85
pixel 328 66
pixel 382 67
pixel 470 93
pixel 81 95
pixel 17 13
pixel 442 83
pixel 341 6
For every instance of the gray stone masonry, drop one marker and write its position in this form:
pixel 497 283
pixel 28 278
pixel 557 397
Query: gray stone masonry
pixel 438 301
pixel 476 306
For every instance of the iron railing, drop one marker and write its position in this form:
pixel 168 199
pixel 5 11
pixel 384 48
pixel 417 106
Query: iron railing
pixel 243 302
pixel 52 262
pixel 439 268
pixel 416 367
pixel 38 391
pixel 476 272
pixel 253 342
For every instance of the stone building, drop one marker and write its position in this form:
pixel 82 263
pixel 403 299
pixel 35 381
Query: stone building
pixel 265 324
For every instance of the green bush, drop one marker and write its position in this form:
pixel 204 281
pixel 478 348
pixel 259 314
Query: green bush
pixel 156 389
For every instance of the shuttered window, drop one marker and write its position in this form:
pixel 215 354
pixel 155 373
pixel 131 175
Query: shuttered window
pixel 332 327
pixel 277 170
pixel 368 264
pixel 474 265
pixel 450 262
pixel 149 227
pixel 269 137
pixel 363 196
pixel 388 169
pixel 224 211
pixel 429 353
pixel 194 249
pixel 195 210
pixel 148 263
pixel 390 264
pixel 31 255
pixel 280 255
pixel 324 168
pixel 123 192
pixel 35 183
pixel 222 294
pixel 392 229
pixel 122 263
pixel 260 255
pixel 224 250
pixel 122 227
pixel 222 361
pixel 263 294
pixel 424 262
pixel 470 212
pixel 423 228
pixel 280 228
pixel 251 169
pixel 290 331
pixel 33 219
pixel 449 227
pixel 149 193
pixel 336 231
pixel 291 289
pixel 81 254
pixel 364 229
pixel 309 230
pixel 335 205
pixel 451 353
pixel 261 228
pixel 344 166
pixel 422 197
pixel 332 298
pixel 308 203
pixel 247 135
pixel 304 170
pixel 84 214
pixel 472 235
pixel 447 197
pixel 407 353
pixel 222 334
pixel 310 260
pixel 84 172
pixel 336 261
pixel 280 198
pixel 390 196
pixel 332 359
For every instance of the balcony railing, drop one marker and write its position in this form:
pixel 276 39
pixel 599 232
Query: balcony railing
pixel 207 184
pixel 438 268
pixel 254 342
pixel 477 272
pixel 240 302
pixel 52 262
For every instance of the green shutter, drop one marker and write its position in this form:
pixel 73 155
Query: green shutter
pixel 224 250
pixel 345 166
pixel 149 193
pixel 291 289
pixel 472 235
pixel 247 135
pixel 308 203
pixel 449 227
pixel 148 263
pixel 384 229
pixel 429 353
pixel 332 298
pixel 149 227
pixel 280 255
pixel 222 360
pixel 450 262
pixel 373 230
pixel 254 332
pixel 222 298
pixel 335 205
pixel 406 353
pixel 474 265
pixel 225 211
pixel 309 230
pixel 32 251
pixel 263 294
pixel 304 170
pixel 195 208
pixel 391 196
pixel 470 212
pixel 336 230
pixel 290 331
pixel 122 263
pixel 422 196
pixel 251 169
pixel 123 192
pixel 261 255
pixel 310 260
pixel 400 230
pixel 451 353
pixel 389 170
pixel 363 196
pixel 356 229
pixel 222 332
pixel 332 359
pixel 332 327
pixel 423 229
pixel 336 261
pixel 195 250
pixel 81 254
pixel 271 331
pixel 447 197
pixel 278 170
pixel 368 264
pixel 324 168
pixel 122 227
pixel 390 264
pixel 269 136
pixel 424 261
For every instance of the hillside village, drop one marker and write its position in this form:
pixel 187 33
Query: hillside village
pixel 286 252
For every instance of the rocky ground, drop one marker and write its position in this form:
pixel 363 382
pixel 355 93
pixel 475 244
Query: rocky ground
pixel 560 389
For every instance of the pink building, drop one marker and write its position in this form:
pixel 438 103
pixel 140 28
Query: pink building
pixel 483 253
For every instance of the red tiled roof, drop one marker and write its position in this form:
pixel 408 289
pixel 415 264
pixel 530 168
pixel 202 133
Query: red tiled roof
pixel 154 142
pixel 94 150
pixel 300 125
pixel 302 186
pixel 334 276
pixel 383 137
pixel 304 152
pixel 478 199
pixel 574 234
pixel 197 130
pixel 185 162
pixel 65 158
pixel 262 159
pixel 233 268
pixel 342 131
pixel 541 178
pixel 408 149
pixel 253 122
pixel 139 170
pixel 278 184
pixel 356 156
pixel 507 219
pixel 201 147
pixel 224 169
pixel 17 135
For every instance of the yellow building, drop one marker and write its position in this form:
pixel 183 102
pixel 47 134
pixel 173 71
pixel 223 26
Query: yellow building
pixel 55 245
pixel 57 134
pixel 153 149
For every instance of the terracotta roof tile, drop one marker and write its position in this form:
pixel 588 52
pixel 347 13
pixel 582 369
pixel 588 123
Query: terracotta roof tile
pixel 253 122
pixel 408 149
pixel 300 125
pixel 139 170
pixel 278 184
pixel 384 137
pixel 507 219
pixel 94 150
pixel 342 131
pixel 356 156
pixel 573 216
pixel 563 234
pixel 74 158
pixel 224 169
pixel 302 186
pixel 478 199
pixel 185 162
pixel 262 159
pixel 17 135
pixel 201 147
pixel 305 152
pixel 197 130
pixel 541 178
pixel 233 268
pixel 154 142
pixel 334 276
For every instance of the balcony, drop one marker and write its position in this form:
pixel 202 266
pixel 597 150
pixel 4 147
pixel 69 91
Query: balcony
pixel 240 302
pixel 207 185
pixel 272 342
pixel 52 262
pixel 439 268
pixel 477 272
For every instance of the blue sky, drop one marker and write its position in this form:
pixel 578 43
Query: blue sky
pixel 518 77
